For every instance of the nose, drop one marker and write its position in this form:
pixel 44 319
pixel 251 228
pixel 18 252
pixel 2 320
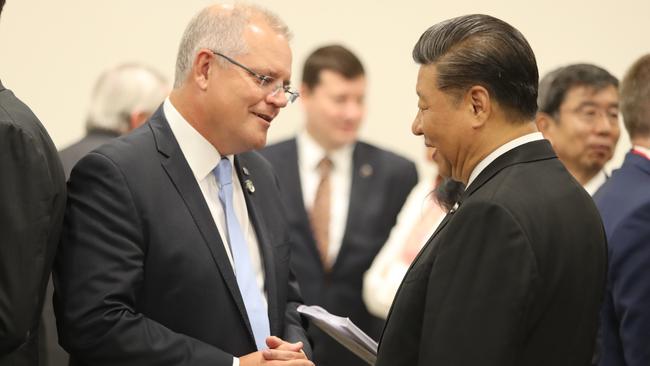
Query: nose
pixel 278 99
pixel 353 111
pixel 416 127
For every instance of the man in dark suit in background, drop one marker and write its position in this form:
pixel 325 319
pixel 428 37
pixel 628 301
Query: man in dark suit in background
pixel 342 195
pixel 578 114
pixel 514 275
pixel 624 203
pixel 123 98
pixel 175 243
pixel 32 202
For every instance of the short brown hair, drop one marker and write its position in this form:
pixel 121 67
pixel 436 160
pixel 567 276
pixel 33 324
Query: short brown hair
pixel 333 57
pixel 635 98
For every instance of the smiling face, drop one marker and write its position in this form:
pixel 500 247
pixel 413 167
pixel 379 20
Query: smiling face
pixel 240 111
pixel 334 109
pixel 442 121
pixel 586 129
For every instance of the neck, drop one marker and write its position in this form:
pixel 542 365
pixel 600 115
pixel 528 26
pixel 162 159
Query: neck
pixel 323 143
pixel 643 141
pixel 488 141
pixel 189 106
pixel 581 175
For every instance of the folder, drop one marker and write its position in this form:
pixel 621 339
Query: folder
pixel 343 331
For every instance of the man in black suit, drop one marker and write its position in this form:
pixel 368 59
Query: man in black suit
pixel 175 245
pixel 515 273
pixel 123 98
pixel 365 190
pixel 32 202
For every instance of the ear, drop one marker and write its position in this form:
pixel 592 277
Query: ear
pixel 479 103
pixel 137 118
pixel 202 68
pixel 545 124
pixel 305 91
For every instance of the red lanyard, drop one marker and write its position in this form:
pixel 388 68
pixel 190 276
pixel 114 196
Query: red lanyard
pixel 640 153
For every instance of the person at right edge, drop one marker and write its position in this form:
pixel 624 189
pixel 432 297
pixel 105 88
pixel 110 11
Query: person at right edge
pixel 624 203
pixel 515 273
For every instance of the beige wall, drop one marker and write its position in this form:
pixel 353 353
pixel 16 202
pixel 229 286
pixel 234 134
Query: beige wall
pixel 52 51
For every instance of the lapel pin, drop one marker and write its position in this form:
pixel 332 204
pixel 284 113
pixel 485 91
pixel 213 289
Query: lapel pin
pixel 366 170
pixel 453 209
pixel 249 186
pixel 245 171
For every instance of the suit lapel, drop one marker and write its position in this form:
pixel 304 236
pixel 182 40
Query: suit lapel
pixel 255 211
pixel 179 172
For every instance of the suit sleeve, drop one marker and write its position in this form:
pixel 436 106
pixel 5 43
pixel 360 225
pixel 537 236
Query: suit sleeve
pixel 478 291
pixel 99 276
pixel 27 197
pixel 629 284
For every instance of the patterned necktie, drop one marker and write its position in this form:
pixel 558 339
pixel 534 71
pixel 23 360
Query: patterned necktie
pixel 320 212
pixel 250 292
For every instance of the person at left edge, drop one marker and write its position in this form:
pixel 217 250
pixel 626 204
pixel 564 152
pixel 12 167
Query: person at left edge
pixel 32 202
pixel 174 248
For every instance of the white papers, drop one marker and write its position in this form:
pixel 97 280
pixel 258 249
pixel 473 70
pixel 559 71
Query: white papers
pixel 343 331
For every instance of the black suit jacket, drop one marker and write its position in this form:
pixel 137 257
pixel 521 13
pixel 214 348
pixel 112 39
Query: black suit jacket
pixel 381 181
pixel 32 201
pixel 142 276
pixel 73 153
pixel 69 156
pixel 515 276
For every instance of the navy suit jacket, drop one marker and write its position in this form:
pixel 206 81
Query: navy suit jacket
pixel 624 204
pixel 142 276
pixel 381 181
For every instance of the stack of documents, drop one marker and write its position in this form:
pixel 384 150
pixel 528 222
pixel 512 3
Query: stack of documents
pixel 343 331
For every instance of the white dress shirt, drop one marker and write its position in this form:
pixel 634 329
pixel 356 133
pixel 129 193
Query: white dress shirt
pixel 203 157
pixel 310 153
pixel 382 280
pixel 534 136
pixel 594 183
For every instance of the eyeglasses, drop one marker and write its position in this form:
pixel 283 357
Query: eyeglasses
pixel 265 82
pixel 590 114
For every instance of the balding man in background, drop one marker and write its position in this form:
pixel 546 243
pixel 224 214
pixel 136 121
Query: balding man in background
pixel 122 99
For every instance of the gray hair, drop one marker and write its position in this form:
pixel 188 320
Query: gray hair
pixel 220 31
pixel 122 90
pixel 635 98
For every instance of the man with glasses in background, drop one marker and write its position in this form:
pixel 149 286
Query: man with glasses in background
pixel 175 242
pixel 578 114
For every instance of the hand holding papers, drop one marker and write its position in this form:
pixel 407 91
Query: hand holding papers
pixel 343 331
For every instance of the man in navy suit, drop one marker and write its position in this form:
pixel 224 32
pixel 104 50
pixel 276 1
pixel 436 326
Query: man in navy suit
pixel 624 204
pixel 175 245
pixel 366 188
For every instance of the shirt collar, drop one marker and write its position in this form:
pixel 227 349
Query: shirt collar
pixel 594 183
pixel 534 136
pixel 200 154
pixel 311 153
pixel 642 149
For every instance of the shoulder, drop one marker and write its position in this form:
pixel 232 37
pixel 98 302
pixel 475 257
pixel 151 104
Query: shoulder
pixel 388 160
pixel 279 149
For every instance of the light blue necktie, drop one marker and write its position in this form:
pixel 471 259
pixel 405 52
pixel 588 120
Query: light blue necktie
pixel 250 292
